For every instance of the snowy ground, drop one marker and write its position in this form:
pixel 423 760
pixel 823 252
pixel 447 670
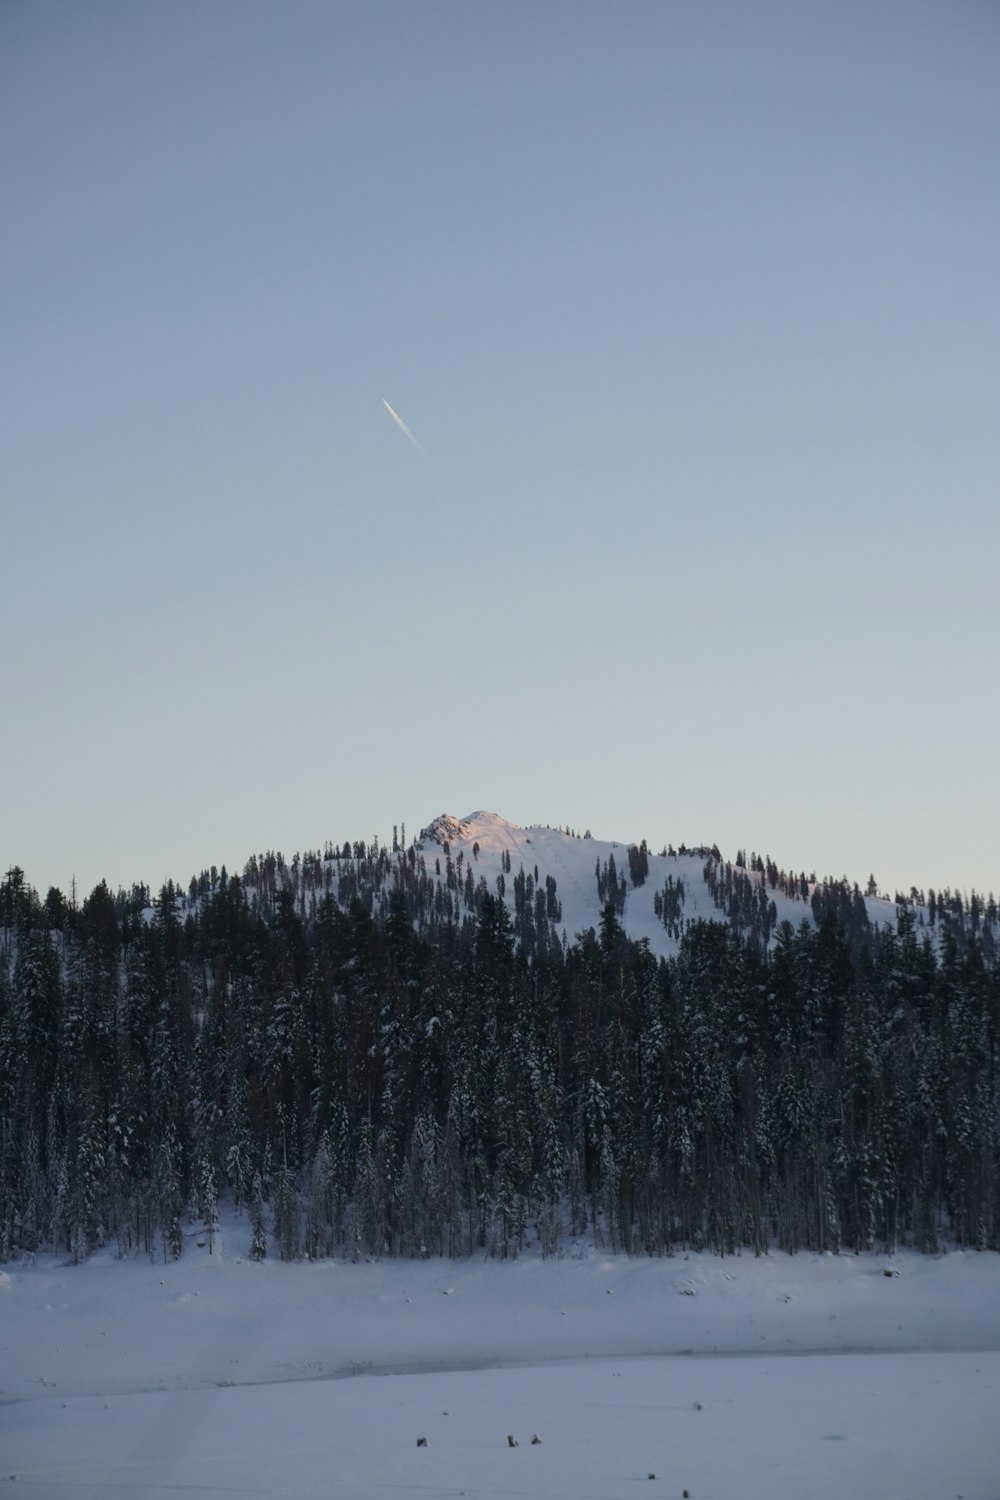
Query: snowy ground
pixel 779 1378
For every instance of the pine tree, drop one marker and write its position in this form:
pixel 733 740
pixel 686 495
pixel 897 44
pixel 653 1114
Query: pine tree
pixel 209 1203
pixel 258 1233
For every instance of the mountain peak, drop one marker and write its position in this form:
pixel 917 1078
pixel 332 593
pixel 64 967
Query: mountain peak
pixel 481 827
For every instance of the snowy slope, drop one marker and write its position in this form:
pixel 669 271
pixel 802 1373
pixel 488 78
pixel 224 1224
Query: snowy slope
pixel 572 862
pixel 490 847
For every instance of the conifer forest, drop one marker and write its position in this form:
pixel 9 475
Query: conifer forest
pixel 370 1060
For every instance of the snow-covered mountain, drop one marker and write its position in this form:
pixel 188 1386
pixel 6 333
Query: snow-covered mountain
pixel 557 884
pixel 674 888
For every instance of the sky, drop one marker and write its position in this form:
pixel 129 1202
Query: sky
pixel 693 309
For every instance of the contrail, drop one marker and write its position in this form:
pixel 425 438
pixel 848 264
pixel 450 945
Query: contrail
pixel 402 425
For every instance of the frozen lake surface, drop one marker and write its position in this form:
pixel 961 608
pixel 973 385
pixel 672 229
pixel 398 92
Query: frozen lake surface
pixel 813 1376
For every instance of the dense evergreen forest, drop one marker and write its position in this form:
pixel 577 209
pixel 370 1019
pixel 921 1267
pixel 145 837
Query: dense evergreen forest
pixel 371 1068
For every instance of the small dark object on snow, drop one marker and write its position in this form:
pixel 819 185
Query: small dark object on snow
pixel 697 1406
pixel 535 1440
pixel 511 1441
pixel 888 1272
pixel 421 1442
pixel 686 1495
pixel 650 1476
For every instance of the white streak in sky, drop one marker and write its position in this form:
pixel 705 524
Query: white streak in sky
pixel 402 425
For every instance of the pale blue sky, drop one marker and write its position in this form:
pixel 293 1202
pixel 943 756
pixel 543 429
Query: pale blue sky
pixel 694 309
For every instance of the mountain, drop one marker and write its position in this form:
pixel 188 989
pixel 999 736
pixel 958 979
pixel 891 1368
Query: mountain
pixel 556 885
pixel 451 1046
pixel 658 896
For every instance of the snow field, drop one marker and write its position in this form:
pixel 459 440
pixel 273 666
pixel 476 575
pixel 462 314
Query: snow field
pixel 218 1377
pixel 756 1428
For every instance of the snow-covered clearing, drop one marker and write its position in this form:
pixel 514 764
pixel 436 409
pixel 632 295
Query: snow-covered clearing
pixel 779 1377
